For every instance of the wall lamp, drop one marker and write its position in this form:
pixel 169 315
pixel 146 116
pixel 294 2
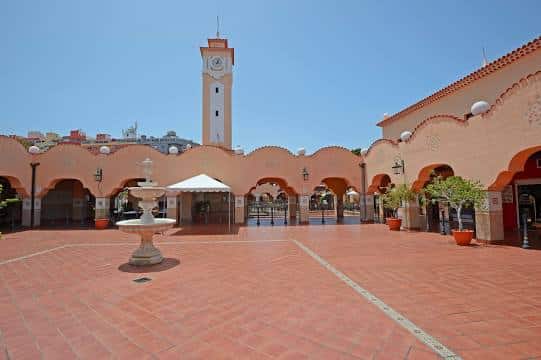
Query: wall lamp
pixel 398 167
pixel 305 174
pixel 98 175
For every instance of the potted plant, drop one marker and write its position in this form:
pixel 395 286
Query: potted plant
pixel 393 199
pixel 458 193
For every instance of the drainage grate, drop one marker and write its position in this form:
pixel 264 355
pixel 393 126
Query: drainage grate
pixel 142 280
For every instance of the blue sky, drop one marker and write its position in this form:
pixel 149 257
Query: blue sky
pixel 308 73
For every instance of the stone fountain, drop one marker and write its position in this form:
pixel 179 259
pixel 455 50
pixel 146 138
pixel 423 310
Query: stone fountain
pixel 147 225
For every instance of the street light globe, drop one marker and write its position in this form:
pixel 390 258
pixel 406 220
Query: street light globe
pixel 105 150
pixel 405 136
pixel 301 152
pixel 173 150
pixel 479 107
pixel 33 149
pixel 364 152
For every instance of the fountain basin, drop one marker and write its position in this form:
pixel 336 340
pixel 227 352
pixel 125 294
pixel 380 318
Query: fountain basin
pixel 147 253
pixel 147 192
pixel 136 226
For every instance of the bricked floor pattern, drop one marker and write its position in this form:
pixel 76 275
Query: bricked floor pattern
pixel 255 294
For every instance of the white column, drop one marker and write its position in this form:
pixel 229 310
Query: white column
pixel 103 205
pixel 489 218
pixel 172 210
pixel 186 207
pixel 304 208
pixel 368 214
pixel 413 219
pixel 292 206
pixel 240 214
pixel 27 207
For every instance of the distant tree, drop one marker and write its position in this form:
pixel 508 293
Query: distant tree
pixel 356 151
pixel 24 142
pixel 395 197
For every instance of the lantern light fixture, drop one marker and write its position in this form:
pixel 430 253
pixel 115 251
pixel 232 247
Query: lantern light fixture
pixel 398 167
pixel 305 174
pixel 98 175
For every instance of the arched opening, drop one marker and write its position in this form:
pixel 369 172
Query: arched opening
pixel 327 202
pixel 352 202
pixel 68 203
pixel 380 184
pixel 521 195
pixel 10 206
pixel 271 202
pixel 434 213
pixel 322 207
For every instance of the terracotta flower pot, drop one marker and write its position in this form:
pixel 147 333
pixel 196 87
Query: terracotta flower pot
pixel 101 223
pixel 463 238
pixel 394 224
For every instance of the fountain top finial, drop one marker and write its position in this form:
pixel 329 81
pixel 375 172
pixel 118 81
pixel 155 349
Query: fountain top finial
pixel 147 172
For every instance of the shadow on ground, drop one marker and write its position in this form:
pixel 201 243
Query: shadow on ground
pixel 166 264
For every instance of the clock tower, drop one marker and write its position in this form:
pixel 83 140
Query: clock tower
pixel 218 61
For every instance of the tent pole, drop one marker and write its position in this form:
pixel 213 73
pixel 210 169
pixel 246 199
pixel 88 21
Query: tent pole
pixel 229 211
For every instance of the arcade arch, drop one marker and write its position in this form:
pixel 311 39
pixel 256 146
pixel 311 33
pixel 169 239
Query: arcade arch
pixel 520 185
pixel 67 202
pixel 271 201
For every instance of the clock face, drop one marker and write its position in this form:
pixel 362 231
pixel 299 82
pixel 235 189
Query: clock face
pixel 216 63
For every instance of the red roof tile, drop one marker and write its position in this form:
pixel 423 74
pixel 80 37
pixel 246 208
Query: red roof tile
pixel 476 75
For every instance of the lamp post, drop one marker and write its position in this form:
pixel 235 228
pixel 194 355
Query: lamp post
pixel 323 202
pixel 525 243
pixel 399 168
pixel 33 150
pixel 257 207
pixel 363 190
pixel 285 212
pixel 443 231
pixel 305 177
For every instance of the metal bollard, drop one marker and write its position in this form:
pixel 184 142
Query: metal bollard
pixel 525 243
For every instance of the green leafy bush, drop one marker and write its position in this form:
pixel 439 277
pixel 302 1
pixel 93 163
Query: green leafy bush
pixel 396 196
pixel 457 192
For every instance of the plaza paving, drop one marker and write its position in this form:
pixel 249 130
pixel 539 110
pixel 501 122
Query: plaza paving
pixel 314 292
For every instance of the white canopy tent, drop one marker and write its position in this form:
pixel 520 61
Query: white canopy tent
pixel 204 183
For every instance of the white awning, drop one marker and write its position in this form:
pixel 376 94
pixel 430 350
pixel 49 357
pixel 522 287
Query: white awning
pixel 352 193
pixel 200 183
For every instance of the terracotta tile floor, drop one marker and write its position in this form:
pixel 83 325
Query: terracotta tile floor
pixel 243 296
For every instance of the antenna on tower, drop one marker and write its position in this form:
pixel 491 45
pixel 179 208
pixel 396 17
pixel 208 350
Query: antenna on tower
pixel 217 27
pixel 485 61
